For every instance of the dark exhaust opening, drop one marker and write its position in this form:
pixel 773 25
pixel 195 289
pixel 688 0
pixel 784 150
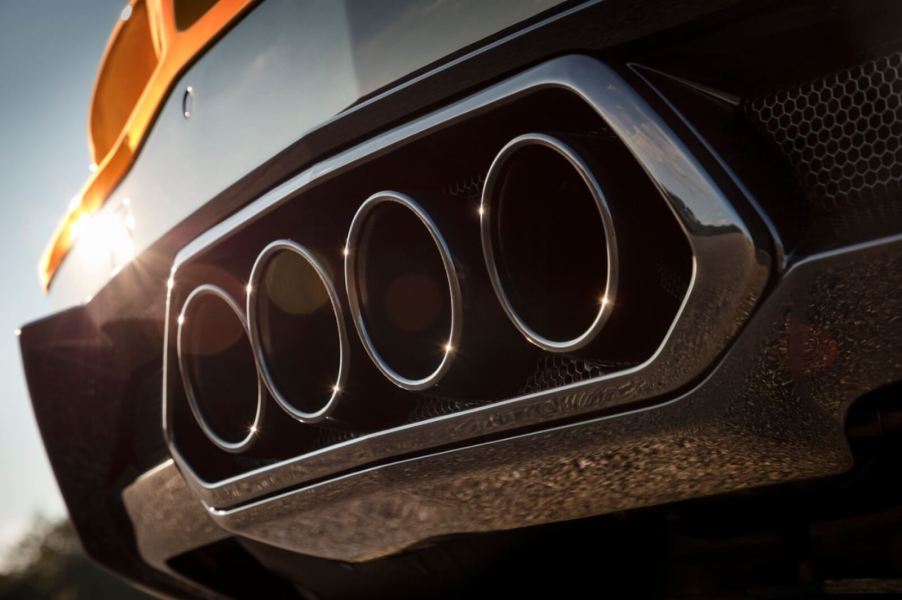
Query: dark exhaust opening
pixel 298 331
pixel 403 291
pixel 218 369
pixel 549 243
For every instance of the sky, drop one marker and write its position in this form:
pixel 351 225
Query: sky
pixel 49 52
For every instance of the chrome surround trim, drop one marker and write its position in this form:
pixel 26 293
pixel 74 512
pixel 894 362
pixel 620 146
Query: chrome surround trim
pixel 248 440
pixel 731 265
pixel 488 246
pixel 254 334
pixel 366 209
pixel 738 428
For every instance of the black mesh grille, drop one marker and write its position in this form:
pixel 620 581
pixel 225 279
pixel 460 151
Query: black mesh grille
pixel 557 370
pixel 841 133
pixel 470 187
pixel 428 407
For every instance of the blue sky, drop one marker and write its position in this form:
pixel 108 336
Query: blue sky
pixel 49 52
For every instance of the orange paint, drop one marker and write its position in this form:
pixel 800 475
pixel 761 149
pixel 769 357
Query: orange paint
pixel 113 145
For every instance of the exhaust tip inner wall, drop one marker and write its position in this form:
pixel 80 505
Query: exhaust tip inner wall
pixel 549 243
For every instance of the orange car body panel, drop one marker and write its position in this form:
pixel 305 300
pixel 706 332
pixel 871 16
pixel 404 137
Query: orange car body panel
pixel 175 49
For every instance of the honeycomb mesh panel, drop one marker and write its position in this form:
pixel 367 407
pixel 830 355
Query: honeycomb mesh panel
pixel 431 406
pixel 557 370
pixel 841 134
pixel 468 188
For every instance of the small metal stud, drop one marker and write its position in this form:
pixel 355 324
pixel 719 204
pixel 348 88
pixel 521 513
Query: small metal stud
pixel 188 102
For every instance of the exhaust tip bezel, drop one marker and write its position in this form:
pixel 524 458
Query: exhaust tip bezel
pixel 454 290
pixel 253 431
pixel 341 378
pixel 486 210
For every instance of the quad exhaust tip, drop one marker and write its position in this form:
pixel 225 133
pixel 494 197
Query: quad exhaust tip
pixel 549 246
pixel 216 363
pixel 549 242
pixel 403 292
pixel 297 331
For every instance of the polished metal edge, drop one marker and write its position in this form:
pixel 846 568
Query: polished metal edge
pixel 248 440
pixel 369 205
pixel 166 518
pixel 730 269
pixel 486 214
pixel 254 333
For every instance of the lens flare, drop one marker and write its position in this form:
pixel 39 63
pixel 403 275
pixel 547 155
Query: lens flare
pixel 105 239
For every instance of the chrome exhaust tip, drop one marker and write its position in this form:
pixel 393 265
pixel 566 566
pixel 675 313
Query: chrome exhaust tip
pixel 403 291
pixel 216 364
pixel 297 331
pixel 549 243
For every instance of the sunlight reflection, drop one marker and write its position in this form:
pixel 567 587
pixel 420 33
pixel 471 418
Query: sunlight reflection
pixel 105 238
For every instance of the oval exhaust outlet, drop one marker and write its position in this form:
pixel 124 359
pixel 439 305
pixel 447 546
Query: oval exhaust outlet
pixel 549 242
pixel 421 303
pixel 217 367
pixel 403 291
pixel 297 332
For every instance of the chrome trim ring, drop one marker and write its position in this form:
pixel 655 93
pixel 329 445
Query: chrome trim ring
pixel 368 206
pixel 488 247
pixel 219 441
pixel 254 333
